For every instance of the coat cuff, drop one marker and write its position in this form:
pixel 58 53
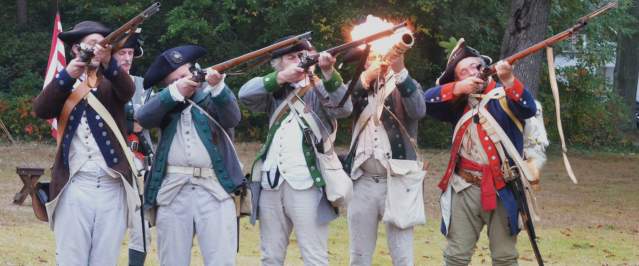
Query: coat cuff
pixel 176 96
pixel 401 76
pixel 334 82
pixel 222 97
pixel 113 70
pixel 217 89
pixel 166 96
pixel 64 80
pixel 270 82
pixel 515 92
pixel 407 86
pixel 446 92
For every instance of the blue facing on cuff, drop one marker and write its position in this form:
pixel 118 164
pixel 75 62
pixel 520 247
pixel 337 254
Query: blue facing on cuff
pixel 407 87
pixel 113 70
pixel 64 80
pixel 223 97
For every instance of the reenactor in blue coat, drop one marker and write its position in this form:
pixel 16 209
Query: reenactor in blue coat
pixel 92 199
pixel 195 170
pixel 475 184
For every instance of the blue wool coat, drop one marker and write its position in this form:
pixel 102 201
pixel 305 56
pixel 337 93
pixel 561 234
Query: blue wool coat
pixel 444 106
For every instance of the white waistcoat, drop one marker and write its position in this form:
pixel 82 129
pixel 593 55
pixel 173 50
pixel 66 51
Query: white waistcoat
pixel 286 154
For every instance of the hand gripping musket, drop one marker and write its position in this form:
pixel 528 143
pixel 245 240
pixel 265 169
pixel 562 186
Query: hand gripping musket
pixel 406 41
pixel 308 61
pixel 199 74
pixel 117 37
pixel 120 35
pixel 518 185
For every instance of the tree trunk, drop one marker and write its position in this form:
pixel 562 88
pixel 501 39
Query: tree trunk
pixel 21 8
pixel 528 24
pixel 627 63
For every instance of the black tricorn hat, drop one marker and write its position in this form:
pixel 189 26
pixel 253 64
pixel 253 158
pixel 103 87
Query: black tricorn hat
pixel 169 61
pixel 81 30
pixel 134 42
pixel 300 46
pixel 460 52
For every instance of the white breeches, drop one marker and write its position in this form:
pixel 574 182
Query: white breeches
pixel 364 213
pixel 284 210
pixel 90 221
pixel 195 211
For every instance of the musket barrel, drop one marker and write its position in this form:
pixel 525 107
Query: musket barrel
pixel 406 42
pixel 151 10
pixel 131 24
pixel 86 54
pixel 263 51
pixel 600 10
pixel 551 40
pixel 311 60
pixel 378 35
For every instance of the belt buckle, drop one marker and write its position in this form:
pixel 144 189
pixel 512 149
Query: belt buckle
pixel 378 179
pixel 197 172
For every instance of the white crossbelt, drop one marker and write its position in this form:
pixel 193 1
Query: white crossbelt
pixel 192 171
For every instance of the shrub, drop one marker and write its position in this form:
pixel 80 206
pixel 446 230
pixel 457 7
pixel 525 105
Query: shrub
pixel 593 114
pixel 17 115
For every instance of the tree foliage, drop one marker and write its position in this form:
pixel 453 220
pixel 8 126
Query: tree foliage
pixel 229 28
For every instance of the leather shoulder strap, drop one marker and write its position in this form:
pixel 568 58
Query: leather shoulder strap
pixel 359 125
pixel 76 96
pixel 110 122
pixel 404 131
pixel 205 113
pixel 502 138
pixel 504 105
pixel 555 94
pixel 282 109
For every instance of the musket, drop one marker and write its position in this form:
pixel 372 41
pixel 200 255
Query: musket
pixel 581 23
pixel 200 74
pixel 148 165
pixel 120 35
pixel 149 159
pixel 517 185
pixel 308 61
pixel 358 72
pixel 406 41
pixel 522 203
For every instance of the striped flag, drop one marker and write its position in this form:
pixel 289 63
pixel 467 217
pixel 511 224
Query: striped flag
pixel 56 63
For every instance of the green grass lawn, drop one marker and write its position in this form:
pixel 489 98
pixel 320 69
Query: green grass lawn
pixel 33 244
pixel 593 223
